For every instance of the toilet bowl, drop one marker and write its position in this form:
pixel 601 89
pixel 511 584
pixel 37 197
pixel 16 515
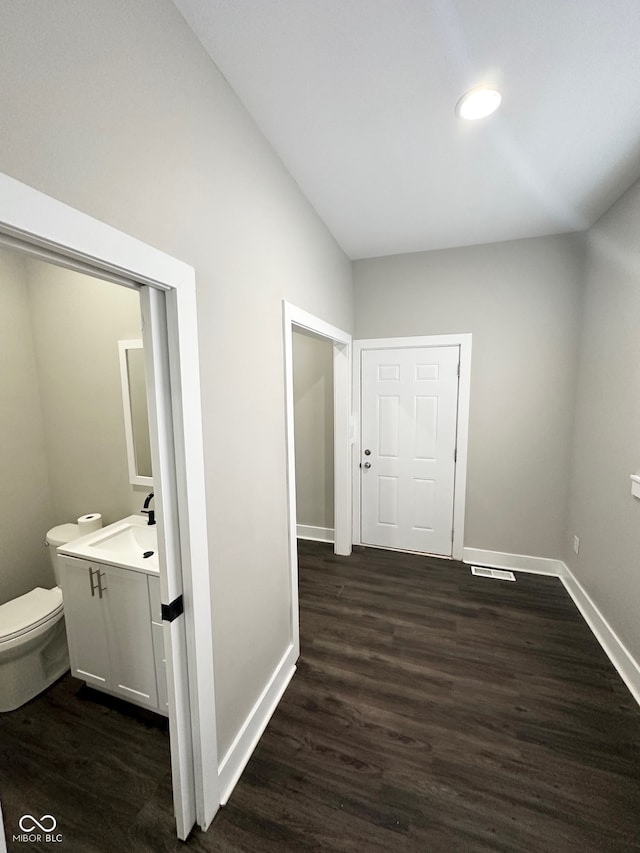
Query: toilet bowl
pixel 33 641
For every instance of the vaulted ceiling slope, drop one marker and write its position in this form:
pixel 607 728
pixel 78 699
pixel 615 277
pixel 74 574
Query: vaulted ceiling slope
pixel 357 97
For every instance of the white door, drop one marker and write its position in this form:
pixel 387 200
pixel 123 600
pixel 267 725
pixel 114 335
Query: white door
pixel 408 434
pixel 156 349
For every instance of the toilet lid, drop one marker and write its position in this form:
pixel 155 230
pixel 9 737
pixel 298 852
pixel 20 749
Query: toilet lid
pixel 28 611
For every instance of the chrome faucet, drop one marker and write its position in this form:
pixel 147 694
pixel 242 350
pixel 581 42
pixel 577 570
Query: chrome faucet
pixel 147 511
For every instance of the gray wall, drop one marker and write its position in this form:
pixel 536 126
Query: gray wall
pixel 313 415
pixel 602 511
pixel 77 322
pixel 26 508
pixel 521 300
pixel 62 439
pixel 115 109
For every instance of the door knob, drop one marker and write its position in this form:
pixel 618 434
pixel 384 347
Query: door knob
pixel 367 465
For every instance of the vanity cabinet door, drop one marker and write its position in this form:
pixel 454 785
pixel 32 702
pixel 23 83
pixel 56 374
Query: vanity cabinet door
pixel 85 622
pixel 126 607
pixel 108 620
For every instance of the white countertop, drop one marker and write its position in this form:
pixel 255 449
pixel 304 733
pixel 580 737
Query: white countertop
pixel 122 544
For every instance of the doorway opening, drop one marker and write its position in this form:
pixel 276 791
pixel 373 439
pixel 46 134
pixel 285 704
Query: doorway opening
pixel 295 319
pixel 313 417
pixel 39 226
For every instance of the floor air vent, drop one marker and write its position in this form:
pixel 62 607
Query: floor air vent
pixel 497 574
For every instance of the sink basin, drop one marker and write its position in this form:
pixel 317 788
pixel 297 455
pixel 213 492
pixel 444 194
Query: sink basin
pixel 129 540
pixel 130 543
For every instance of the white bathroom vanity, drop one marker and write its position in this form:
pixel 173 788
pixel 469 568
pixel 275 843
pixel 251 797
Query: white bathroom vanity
pixel 111 592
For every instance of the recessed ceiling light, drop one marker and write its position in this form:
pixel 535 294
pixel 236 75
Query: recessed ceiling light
pixel 478 103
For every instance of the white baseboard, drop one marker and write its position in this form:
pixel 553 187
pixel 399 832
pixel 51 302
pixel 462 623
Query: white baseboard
pixel 318 534
pixel 616 651
pixel 241 749
pixel 515 562
pixel 623 661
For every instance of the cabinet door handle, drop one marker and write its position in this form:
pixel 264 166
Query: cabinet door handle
pixel 94 587
pixel 101 588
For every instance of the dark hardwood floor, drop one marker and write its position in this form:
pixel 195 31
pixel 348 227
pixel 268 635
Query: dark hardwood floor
pixel 431 711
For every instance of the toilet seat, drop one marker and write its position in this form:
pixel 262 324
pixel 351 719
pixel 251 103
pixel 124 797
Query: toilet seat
pixel 28 612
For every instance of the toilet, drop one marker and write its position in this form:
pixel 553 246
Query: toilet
pixel 33 640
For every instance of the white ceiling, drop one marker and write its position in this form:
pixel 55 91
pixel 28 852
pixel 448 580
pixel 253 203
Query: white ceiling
pixel 358 96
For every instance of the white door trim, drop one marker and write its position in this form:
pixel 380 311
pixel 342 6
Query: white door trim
pixel 294 317
pixel 42 226
pixel 462 435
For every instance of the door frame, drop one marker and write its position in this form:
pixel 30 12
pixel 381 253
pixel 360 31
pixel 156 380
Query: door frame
pixel 43 227
pixel 462 429
pixel 295 318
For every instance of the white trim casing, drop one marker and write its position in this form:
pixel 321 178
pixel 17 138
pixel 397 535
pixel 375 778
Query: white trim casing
pixel 247 738
pixel 464 341
pixel 315 534
pixel 31 219
pixel 342 444
pixel 291 480
pixel 39 225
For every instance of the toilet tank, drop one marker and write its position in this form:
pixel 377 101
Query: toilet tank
pixel 57 536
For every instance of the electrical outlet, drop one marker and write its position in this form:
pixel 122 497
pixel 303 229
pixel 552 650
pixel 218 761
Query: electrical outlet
pixel 576 544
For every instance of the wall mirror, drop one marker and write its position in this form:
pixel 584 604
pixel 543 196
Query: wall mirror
pixel 136 418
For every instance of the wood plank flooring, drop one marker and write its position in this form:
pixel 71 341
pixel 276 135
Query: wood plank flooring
pixel 431 711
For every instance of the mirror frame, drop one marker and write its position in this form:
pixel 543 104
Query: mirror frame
pixel 134 478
